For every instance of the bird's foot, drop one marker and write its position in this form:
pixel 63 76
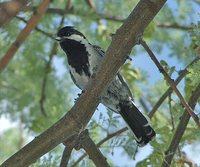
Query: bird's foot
pixel 79 94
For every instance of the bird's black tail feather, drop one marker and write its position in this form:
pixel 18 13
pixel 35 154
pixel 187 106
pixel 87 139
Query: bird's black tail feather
pixel 137 122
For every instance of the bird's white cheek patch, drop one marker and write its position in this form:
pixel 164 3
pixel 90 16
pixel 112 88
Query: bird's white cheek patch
pixel 78 38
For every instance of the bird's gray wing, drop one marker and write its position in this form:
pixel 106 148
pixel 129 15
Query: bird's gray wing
pixel 124 84
pixel 121 79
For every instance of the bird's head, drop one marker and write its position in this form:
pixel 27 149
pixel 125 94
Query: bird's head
pixel 69 33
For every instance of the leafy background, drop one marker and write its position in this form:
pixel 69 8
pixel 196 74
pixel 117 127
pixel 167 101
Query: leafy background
pixel 174 36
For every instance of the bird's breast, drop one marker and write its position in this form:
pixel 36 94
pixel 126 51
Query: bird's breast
pixel 80 80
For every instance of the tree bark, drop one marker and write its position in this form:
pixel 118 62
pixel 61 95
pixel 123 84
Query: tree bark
pixel 76 119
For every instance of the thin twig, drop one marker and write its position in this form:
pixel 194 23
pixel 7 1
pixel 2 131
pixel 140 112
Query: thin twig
pixel 169 154
pixel 171 83
pixel 48 67
pixel 170 111
pixel 114 18
pixel 182 74
pixel 8 87
pixel 144 105
pixel 24 34
pixel 71 11
pixel 36 28
pixel 44 82
pixel 111 136
pixel 174 26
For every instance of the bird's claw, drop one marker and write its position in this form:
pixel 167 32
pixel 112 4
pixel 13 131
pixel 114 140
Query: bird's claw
pixel 79 94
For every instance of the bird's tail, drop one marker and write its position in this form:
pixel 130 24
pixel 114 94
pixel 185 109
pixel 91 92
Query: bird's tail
pixel 137 122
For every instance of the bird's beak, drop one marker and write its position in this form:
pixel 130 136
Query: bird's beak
pixel 59 39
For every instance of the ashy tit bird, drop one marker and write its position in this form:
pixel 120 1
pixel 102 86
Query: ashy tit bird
pixel 84 59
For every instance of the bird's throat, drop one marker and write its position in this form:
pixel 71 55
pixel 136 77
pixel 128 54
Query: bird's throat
pixel 77 56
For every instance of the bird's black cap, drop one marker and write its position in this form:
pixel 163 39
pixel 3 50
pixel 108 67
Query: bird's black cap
pixel 68 31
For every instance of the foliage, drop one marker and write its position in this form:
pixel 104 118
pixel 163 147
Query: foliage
pixel 21 82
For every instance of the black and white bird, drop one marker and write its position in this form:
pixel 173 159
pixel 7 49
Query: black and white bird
pixel 84 59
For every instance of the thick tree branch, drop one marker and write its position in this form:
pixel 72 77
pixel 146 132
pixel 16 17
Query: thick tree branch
pixel 171 83
pixel 76 119
pixel 24 34
pixel 9 9
pixel 169 91
pixel 169 154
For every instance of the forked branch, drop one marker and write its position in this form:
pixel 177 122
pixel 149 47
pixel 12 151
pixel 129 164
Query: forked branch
pixel 169 154
pixel 76 120
pixel 171 83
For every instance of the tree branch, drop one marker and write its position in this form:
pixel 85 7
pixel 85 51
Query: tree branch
pixel 174 26
pixel 171 83
pixel 48 65
pixel 9 9
pixel 76 119
pixel 108 137
pixel 169 91
pixel 169 154
pixel 144 105
pixel 94 153
pixel 44 82
pixel 66 155
pixel 36 28
pixel 69 145
pixel 23 34
pixel 170 112
pixel 119 19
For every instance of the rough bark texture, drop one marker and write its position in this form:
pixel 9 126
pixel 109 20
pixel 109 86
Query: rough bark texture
pixel 80 114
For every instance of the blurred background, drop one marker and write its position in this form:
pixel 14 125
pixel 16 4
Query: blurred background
pixel 36 89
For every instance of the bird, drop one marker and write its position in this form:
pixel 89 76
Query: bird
pixel 83 61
